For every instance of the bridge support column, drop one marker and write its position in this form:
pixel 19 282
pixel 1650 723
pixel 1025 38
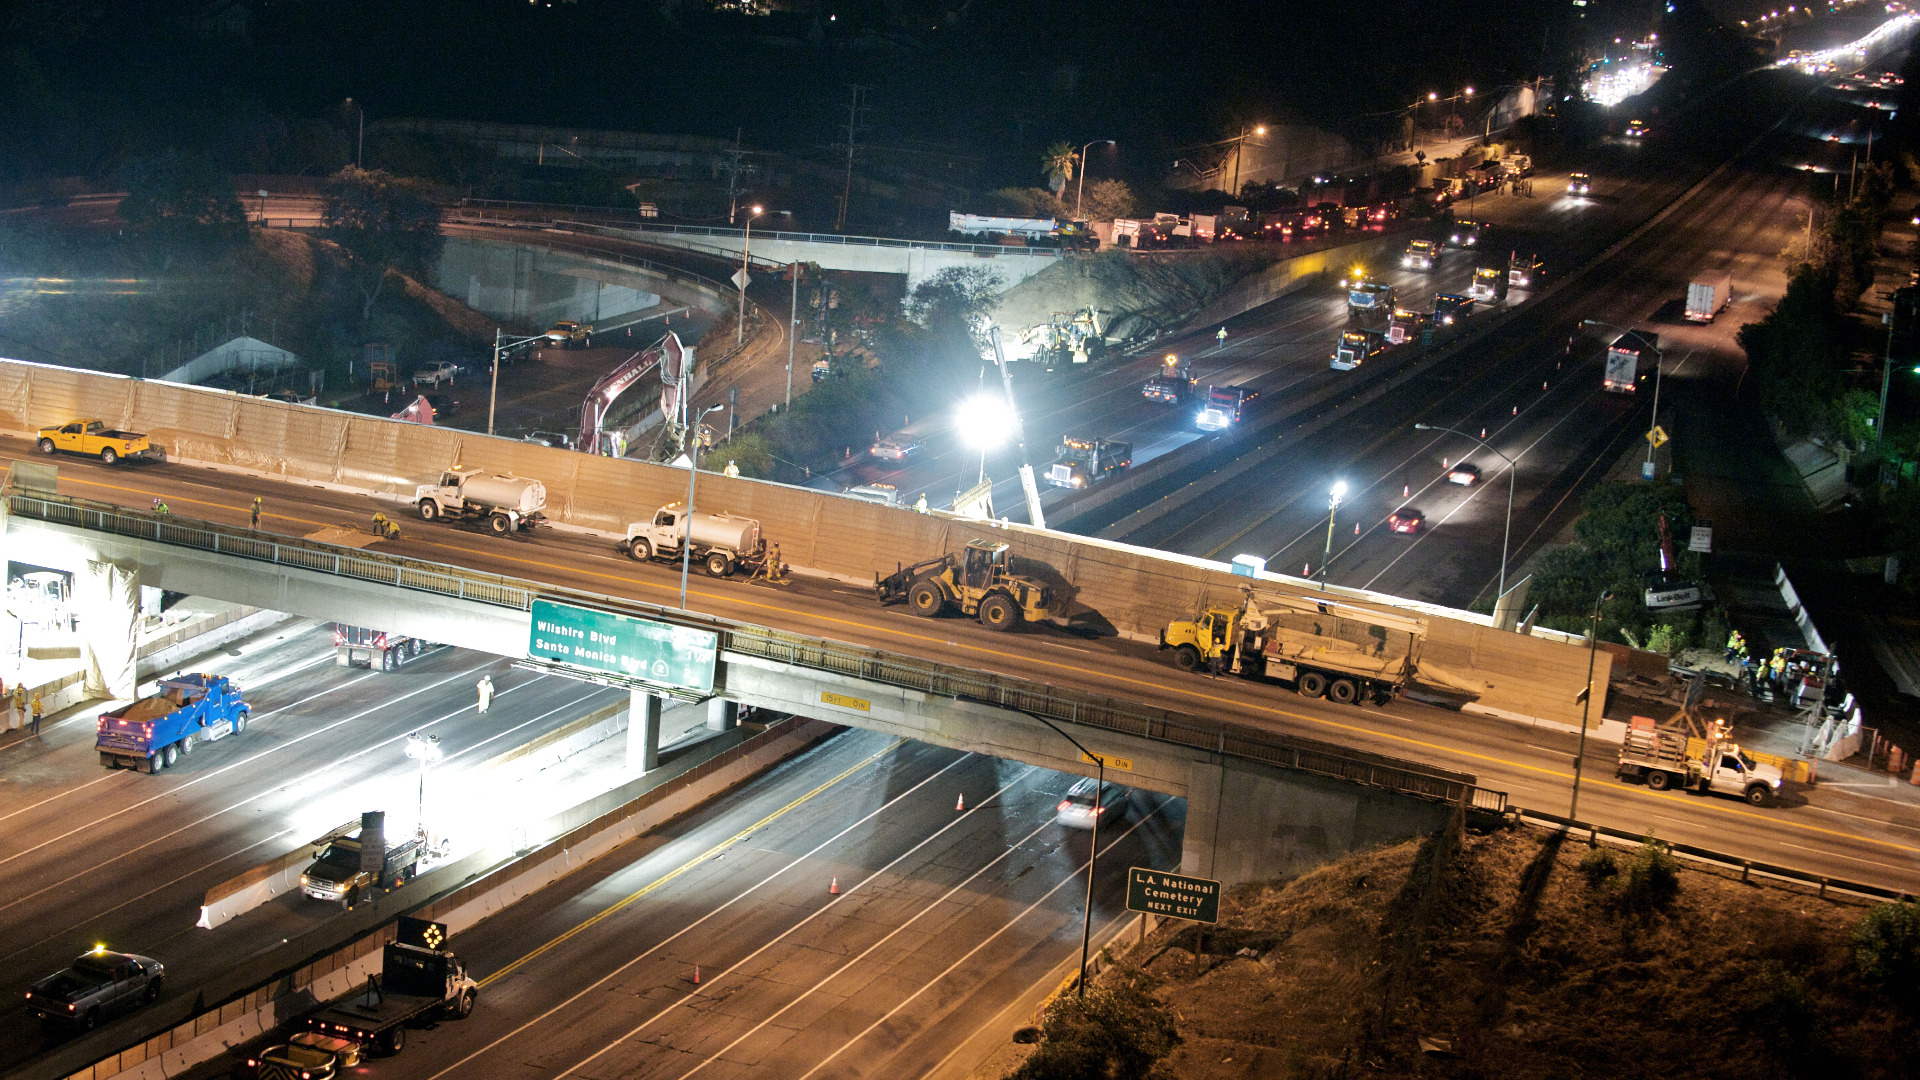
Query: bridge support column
pixel 722 714
pixel 1250 822
pixel 643 731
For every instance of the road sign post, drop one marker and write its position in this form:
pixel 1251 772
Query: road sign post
pixel 1172 896
pixel 663 654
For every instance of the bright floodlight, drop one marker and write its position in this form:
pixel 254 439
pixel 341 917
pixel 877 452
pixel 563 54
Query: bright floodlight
pixel 758 210
pixel 423 747
pixel 985 421
pixel 1260 130
pixel 1339 490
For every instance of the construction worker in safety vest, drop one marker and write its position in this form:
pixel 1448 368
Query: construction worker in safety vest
pixel 384 528
pixel 1734 645
pixel 731 469
pixel 1777 667
pixel 922 504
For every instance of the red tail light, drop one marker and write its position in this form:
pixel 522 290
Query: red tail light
pixel 1064 803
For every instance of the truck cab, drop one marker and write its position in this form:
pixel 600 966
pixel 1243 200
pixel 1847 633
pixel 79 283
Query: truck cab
pixel 1366 296
pixel 1224 406
pixel 340 871
pixel 1489 283
pixel 1083 463
pixel 1421 255
pixel 1466 234
pixel 1354 347
pixel 1406 324
pixel 1523 271
pixel 1172 383
pixel 1450 308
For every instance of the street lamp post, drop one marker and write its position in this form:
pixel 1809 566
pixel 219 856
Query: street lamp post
pixel 1081 188
pixel 426 750
pixel 793 325
pixel 1586 712
pixel 1240 151
pixel 686 519
pixel 746 255
pixel 1659 369
pixel 1333 504
pixel 1513 468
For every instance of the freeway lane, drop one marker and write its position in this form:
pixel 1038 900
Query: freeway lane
pixel 1851 836
pixel 89 854
pixel 1537 397
pixel 942 916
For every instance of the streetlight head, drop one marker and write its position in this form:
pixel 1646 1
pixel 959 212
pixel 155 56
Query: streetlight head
pixel 1432 96
pixel 758 210
pixel 713 409
pixel 1260 129
pixel 1423 427
pixel 1589 322
pixel 1468 91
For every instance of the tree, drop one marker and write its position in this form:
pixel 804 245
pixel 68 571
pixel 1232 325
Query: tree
pixel 1116 1032
pixel 1886 946
pixel 953 299
pixel 385 224
pixel 178 205
pixel 1058 163
pixel 1107 199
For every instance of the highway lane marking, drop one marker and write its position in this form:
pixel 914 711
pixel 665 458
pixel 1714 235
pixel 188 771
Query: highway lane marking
pixel 290 785
pixel 713 852
pixel 1836 855
pixel 1098 676
pixel 1045 822
pixel 1863 817
pixel 984 942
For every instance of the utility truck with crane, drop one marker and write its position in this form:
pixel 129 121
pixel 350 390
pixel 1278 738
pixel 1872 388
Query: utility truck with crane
pixel 504 502
pixel 1348 653
pixel 981 584
pixel 722 543
pixel 1667 757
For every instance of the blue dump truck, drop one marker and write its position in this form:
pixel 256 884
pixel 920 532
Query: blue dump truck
pixel 153 732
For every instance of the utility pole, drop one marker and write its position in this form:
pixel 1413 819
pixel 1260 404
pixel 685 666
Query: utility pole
pixel 853 127
pixel 734 169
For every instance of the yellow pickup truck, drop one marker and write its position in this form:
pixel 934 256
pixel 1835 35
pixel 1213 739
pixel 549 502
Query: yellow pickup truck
pixel 92 437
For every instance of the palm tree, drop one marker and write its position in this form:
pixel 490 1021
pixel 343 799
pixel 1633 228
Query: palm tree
pixel 1059 162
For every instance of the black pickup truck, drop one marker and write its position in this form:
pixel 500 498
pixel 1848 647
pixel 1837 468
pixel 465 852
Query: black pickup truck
pixel 418 980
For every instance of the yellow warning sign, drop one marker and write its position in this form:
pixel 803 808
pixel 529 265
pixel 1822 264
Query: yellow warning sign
pixel 1657 436
pixel 845 702
pixel 1123 764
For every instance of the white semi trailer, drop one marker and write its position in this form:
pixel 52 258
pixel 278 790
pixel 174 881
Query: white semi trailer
pixel 505 503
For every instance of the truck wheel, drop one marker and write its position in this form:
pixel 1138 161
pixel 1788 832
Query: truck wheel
pixel 91 1020
pixel 108 455
pixel 639 551
pixel 463 1007
pixel 925 599
pixel 499 524
pixel 999 613
pixel 387 662
pixel 168 756
pixel 153 990
pixel 429 509
pixel 718 565
pixel 1658 781
pixel 1760 795
pixel 394 1039
pixel 1186 658
pixel 1312 684
pixel 186 746
pixel 46 446
pixel 240 722
pixel 1342 692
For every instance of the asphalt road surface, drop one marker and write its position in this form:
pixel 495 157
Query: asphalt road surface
pixel 94 855
pixel 1826 830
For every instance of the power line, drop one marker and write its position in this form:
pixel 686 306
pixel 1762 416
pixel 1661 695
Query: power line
pixel 855 110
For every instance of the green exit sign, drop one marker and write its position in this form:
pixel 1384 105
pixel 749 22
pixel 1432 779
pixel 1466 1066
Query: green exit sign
pixel 681 657
pixel 1172 896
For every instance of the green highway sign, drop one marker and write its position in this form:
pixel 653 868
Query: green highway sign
pixel 682 657
pixel 1172 896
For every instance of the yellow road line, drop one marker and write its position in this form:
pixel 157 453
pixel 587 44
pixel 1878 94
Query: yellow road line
pixel 683 868
pixel 1099 676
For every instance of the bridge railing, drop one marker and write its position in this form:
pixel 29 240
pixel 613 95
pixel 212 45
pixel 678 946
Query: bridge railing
pixel 798 650
pixel 829 238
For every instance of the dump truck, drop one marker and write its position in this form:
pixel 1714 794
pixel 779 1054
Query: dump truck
pixel 1367 297
pixel 981 584
pixel 152 733
pixel 1666 756
pixel 363 646
pixel 504 502
pixel 1405 324
pixel 1421 255
pixel 1466 233
pixel 722 543
pixel 1449 308
pixel 354 861
pixel 1707 295
pixel 1354 347
pixel 95 439
pixel 419 980
pixel 1083 463
pixel 1523 270
pixel 1173 384
pixel 1224 407
pixel 1316 646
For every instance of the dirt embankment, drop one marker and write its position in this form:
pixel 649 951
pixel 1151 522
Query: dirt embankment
pixel 1519 955
pixel 1139 293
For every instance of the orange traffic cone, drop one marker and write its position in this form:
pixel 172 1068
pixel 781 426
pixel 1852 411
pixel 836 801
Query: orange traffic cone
pixel 1356 528
pixel 1306 569
pixel 1516 410
pixel 1483 432
pixel 960 803
pixel 833 889
pixel 1406 491
pixel 696 974
pixel 1543 384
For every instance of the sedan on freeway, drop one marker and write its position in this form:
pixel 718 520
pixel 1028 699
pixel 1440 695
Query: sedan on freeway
pixel 1077 811
pixel 1464 474
pixel 1406 520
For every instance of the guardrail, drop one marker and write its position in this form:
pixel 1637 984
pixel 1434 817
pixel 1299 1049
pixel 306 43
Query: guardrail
pixel 797 650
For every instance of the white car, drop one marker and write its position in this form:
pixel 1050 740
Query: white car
pixel 1076 811
pixel 1464 474
pixel 435 374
